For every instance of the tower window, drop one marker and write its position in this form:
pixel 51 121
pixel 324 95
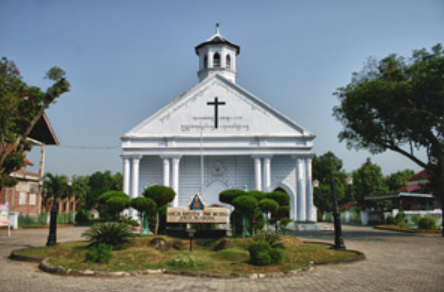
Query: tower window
pixel 205 65
pixel 216 60
pixel 228 62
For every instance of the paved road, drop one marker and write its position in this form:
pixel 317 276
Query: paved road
pixel 395 262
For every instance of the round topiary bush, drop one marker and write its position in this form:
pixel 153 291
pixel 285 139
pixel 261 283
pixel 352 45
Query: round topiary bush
pixel 260 253
pixel 427 223
pixel 276 255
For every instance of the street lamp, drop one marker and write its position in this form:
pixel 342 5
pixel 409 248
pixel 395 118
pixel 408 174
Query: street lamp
pixel 52 238
pixel 339 241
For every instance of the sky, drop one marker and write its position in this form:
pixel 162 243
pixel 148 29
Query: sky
pixel 127 59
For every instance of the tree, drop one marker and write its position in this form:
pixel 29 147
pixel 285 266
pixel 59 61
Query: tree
pixel 398 102
pixel 246 205
pixel 98 184
pixel 367 181
pixel 267 206
pixel 162 195
pixel 57 186
pixel 21 106
pixel 323 168
pixel 111 203
pixel 398 180
pixel 145 206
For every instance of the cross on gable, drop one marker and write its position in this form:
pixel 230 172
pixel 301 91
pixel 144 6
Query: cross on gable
pixel 216 104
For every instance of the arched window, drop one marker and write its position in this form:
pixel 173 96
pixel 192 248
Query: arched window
pixel 216 60
pixel 205 65
pixel 228 62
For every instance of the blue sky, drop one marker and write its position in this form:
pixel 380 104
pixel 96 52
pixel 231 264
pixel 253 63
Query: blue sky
pixel 127 59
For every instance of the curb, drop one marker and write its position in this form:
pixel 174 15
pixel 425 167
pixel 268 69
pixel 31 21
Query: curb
pixel 47 267
pixel 17 257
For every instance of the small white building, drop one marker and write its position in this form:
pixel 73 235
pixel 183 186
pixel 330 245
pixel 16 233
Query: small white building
pixel 219 136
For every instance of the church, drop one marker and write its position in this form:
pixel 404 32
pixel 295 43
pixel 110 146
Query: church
pixel 218 136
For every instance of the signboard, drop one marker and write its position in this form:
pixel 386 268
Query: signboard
pixel 197 212
pixel 4 216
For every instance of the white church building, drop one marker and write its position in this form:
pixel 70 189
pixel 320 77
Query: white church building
pixel 219 136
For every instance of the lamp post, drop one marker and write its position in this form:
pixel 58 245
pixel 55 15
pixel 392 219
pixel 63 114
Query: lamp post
pixel 52 237
pixel 339 241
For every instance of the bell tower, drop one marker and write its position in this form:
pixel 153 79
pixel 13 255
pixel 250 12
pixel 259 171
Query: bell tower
pixel 217 55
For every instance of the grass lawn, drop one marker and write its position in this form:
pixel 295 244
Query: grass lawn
pixel 139 255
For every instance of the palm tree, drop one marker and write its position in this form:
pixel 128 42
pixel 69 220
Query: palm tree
pixel 57 186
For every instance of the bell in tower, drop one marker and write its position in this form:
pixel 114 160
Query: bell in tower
pixel 217 55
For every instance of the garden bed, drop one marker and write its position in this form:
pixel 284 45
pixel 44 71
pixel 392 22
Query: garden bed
pixel 140 255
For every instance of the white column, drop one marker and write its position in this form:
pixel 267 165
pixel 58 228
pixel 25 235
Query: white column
pixel 126 175
pixel 166 172
pixel 134 182
pixel 257 173
pixel 309 189
pixel 301 189
pixel 175 182
pixel 267 174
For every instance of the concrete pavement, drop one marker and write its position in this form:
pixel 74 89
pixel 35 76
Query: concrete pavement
pixel 395 262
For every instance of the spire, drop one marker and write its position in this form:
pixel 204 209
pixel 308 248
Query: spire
pixel 217 29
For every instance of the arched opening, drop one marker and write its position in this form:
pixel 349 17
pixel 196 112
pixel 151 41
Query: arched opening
pixel 216 60
pixel 285 189
pixel 205 65
pixel 228 62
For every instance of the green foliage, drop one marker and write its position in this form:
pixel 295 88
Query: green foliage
pixel 400 218
pixel 368 180
pixel 258 195
pixel 111 203
pixel 143 204
pixel 281 198
pixel 283 223
pixel 183 261
pixel 395 103
pixel 427 222
pixel 272 238
pixel 245 203
pixel 324 167
pixel 262 254
pixel 101 254
pixel 110 233
pixel 228 196
pixel 276 256
pixel 390 220
pixel 268 206
pixel 82 217
pixel 21 107
pixel 98 184
pixel 161 195
pixel 397 180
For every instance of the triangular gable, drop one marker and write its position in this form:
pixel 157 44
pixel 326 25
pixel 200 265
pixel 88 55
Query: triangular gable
pixel 238 113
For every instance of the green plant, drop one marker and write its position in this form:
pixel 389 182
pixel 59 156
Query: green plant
pixel 161 195
pixel 276 255
pixel 260 253
pixel 183 261
pixel 283 223
pixel 110 206
pixel 110 233
pixel 272 238
pixel 82 217
pixel 390 220
pixel 400 218
pixel 427 222
pixel 100 254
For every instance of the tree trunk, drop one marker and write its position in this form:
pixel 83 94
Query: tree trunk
pixel 157 222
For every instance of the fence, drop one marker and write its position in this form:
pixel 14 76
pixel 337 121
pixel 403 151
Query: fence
pixel 42 219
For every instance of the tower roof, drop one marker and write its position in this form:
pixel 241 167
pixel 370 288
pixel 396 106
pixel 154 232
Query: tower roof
pixel 217 39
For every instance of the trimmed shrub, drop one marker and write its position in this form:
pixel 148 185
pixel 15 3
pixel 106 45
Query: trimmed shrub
pixel 260 253
pixel 100 254
pixel 228 196
pixel 390 220
pixel 110 233
pixel 276 255
pixel 427 222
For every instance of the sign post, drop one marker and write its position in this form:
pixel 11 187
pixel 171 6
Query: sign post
pixel 197 212
pixel 4 217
